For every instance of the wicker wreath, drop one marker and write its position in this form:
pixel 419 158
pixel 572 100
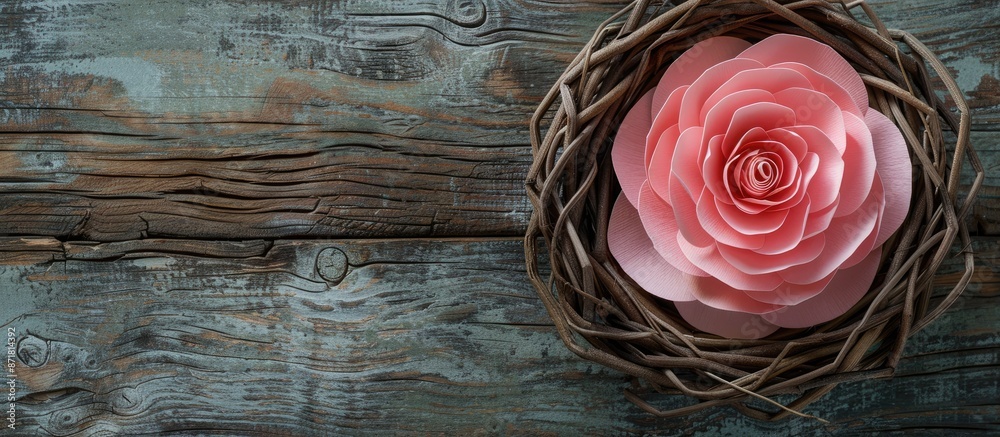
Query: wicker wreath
pixel 572 187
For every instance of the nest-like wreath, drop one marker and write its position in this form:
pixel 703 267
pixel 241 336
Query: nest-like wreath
pixel 572 188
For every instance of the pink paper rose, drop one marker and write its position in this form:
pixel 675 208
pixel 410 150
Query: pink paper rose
pixel 757 186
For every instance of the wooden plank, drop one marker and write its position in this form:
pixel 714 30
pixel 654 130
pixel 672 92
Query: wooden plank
pixel 375 336
pixel 241 120
pixel 963 35
pixel 274 119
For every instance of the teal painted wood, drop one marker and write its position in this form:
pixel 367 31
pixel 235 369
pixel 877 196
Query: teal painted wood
pixel 133 119
pixel 378 336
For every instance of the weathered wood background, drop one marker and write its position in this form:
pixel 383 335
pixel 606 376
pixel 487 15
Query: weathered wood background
pixel 302 218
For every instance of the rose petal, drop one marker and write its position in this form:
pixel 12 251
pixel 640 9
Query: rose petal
pixel 750 139
pixel 705 85
pixel 827 86
pixel 791 195
pixel 693 62
pixel 761 80
pixel 715 225
pixel 790 233
pixel 895 170
pixel 757 115
pixel 720 117
pixel 859 165
pixel 819 221
pixel 712 263
pixel 843 238
pixel 790 175
pixel 824 187
pixel 875 204
pixel 686 215
pixel 781 48
pixel 635 253
pixel 714 165
pixel 793 142
pixel 657 218
pixel 792 294
pixel 751 223
pixel 815 109
pixel 845 290
pixel 663 121
pixel 629 146
pixel 661 167
pixel 755 263
pixel 729 324
pixel 716 294
pixel 658 172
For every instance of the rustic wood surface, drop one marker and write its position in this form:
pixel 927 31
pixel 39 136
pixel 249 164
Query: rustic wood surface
pixel 302 218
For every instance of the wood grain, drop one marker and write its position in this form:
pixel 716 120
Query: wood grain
pixel 963 34
pixel 266 119
pixel 243 120
pixel 421 336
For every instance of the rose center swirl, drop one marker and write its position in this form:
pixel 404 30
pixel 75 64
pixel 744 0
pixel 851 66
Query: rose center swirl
pixel 756 173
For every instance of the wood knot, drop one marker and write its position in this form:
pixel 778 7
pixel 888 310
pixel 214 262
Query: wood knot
pixel 467 13
pixel 65 421
pixel 331 264
pixel 126 401
pixel 33 351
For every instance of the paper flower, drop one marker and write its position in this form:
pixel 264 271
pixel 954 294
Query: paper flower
pixel 757 186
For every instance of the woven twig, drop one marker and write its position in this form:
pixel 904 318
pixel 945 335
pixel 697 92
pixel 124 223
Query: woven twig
pixel 603 316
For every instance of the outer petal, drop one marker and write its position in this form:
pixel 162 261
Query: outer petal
pixel 661 167
pixel 845 290
pixel 874 205
pixel 686 214
pixel 663 122
pixel 729 324
pixel 711 261
pixel 792 294
pixel 694 61
pixel 859 165
pixel 716 294
pixel 895 170
pixel 824 59
pixel 629 146
pixel 826 86
pixel 635 253
pixel 657 218
pixel 755 263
